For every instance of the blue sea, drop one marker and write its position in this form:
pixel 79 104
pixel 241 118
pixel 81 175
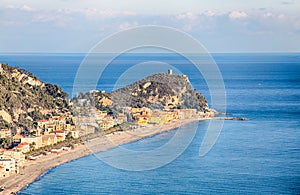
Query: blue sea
pixel 260 156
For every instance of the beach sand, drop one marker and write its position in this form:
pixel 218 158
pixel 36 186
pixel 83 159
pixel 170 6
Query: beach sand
pixel 33 169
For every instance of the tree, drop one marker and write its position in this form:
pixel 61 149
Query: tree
pixel 32 146
pixel 69 136
pixel 5 143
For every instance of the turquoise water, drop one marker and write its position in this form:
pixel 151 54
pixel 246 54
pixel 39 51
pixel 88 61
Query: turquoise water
pixel 261 155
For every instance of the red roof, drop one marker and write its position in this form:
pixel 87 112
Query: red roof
pixel 22 144
pixel 58 131
pixel 42 121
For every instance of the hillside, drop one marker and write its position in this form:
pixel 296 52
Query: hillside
pixel 25 99
pixel 158 91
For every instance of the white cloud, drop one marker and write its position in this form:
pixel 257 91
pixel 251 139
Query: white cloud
pixel 204 23
pixel 237 14
pixel 187 28
pixel 94 13
pixel 187 15
pixel 210 13
pixel 127 25
pixel 268 14
pixel 57 19
pixel 27 8
pixel 281 16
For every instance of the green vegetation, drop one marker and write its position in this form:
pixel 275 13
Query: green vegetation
pixel 23 96
pixel 5 143
pixel 157 91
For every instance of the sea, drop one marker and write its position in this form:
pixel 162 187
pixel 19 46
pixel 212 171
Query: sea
pixel 258 156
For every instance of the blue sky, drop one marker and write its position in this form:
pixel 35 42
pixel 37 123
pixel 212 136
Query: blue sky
pixel 220 25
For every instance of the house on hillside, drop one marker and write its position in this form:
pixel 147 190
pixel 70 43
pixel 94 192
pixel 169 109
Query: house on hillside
pixel 5 133
pixel 36 140
pixel 61 135
pixel 17 138
pixel 48 140
pixel 23 147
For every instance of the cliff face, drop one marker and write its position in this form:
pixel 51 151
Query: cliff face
pixel 157 91
pixel 25 99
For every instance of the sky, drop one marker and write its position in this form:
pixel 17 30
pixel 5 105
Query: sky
pixel 220 25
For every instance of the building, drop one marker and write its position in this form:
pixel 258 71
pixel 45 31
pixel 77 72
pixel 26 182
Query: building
pixel 105 124
pixel 48 140
pixel 155 118
pixel 61 135
pixel 121 118
pixel 100 114
pixel 87 129
pixel 17 138
pixel 18 157
pixel 7 166
pixel 23 147
pixel 5 133
pixel 74 134
pixel 36 140
pixel 142 120
pixel 11 162
pixel 187 113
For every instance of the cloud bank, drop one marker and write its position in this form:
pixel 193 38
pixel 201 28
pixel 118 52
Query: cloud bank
pixel 28 28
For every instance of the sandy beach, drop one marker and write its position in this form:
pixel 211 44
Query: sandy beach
pixel 33 169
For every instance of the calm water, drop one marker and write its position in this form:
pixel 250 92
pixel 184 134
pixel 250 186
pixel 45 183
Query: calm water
pixel 261 155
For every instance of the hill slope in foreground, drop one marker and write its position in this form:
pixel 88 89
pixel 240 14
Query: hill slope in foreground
pixel 24 99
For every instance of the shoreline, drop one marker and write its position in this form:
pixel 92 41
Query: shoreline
pixel 33 170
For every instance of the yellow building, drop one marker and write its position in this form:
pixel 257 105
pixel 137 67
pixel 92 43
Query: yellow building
pixel 49 140
pixel 142 120
pixel 136 110
pixel 155 118
pixel 61 135
pixel 103 125
pixel 164 118
pixel 106 124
